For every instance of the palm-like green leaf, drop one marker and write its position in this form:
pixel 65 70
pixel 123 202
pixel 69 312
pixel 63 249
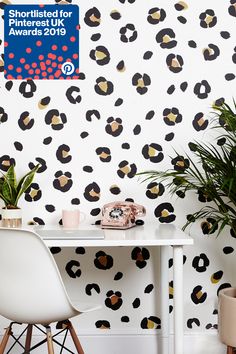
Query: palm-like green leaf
pixel 212 172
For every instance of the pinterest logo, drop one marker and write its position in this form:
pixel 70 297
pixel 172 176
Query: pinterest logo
pixel 67 68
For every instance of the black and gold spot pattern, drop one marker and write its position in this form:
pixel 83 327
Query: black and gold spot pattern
pixel 232 8
pixel 103 261
pixel 211 52
pixel 181 5
pixel 153 152
pixel 42 164
pixel 141 82
pixel 103 87
pixel 73 269
pixel 216 277
pixel 92 192
pixel 175 63
pixel 208 19
pixel 198 296
pixel 55 119
pixel 92 115
pixel 136 303
pixel 166 38
pixel 200 122
pixel 200 263
pixel 103 324
pixel 104 154
pixel 72 94
pixel 121 66
pixel 114 300
pixel 203 196
pixel 33 193
pixel 180 163
pixel 25 122
pixel 44 102
pixel 114 126
pixel 92 287
pixel 209 226
pixel 115 14
pixel 155 190
pixel 62 181
pixel 140 255
pixel 128 33
pixel 63 2
pixel 27 88
pixel 193 322
pixel 156 15
pixel 3 115
pixel 202 89
pixel 149 74
pixel 92 17
pixel 101 55
pixel 114 189
pixel 63 154
pixel 5 162
pixel 1 63
pixel 172 116
pixel 164 212
pixel 151 322
pixel 126 169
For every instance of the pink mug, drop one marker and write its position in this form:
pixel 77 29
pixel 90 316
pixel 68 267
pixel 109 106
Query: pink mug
pixel 72 218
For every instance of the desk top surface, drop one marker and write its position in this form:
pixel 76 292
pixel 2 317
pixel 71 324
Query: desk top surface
pixel 150 234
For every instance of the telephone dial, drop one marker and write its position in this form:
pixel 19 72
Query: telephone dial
pixel 121 215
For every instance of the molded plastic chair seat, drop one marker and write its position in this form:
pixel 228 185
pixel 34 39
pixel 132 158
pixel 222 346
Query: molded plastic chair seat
pixel 32 291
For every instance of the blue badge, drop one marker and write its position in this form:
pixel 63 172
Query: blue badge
pixel 41 42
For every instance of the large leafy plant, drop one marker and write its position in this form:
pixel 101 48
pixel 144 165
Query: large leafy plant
pixel 210 172
pixel 11 190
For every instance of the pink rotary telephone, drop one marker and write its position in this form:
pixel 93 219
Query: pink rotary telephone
pixel 121 215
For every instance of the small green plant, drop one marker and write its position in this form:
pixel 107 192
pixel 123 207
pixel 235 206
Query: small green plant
pixel 11 190
pixel 210 173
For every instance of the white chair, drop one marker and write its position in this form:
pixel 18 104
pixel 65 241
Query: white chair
pixel 32 291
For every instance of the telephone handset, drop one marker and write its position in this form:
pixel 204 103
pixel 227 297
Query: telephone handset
pixel 121 215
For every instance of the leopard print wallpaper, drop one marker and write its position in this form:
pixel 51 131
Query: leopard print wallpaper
pixel 150 71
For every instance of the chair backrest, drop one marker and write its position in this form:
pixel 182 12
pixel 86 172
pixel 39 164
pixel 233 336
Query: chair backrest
pixel 31 288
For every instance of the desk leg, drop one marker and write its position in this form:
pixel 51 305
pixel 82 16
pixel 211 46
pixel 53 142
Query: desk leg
pixel 164 299
pixel 178 299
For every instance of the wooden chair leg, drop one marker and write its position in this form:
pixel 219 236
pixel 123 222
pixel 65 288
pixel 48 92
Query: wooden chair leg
pixel 49 340
pixel 5 339
pixel 230 350
pixel 75 338
pixel 28 339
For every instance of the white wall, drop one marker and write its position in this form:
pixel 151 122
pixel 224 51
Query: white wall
pixel 134 113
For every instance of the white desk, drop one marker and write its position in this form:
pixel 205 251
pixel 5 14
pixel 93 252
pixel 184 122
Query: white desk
pixel 153 234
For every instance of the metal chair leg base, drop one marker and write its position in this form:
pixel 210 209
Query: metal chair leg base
pixel 65 326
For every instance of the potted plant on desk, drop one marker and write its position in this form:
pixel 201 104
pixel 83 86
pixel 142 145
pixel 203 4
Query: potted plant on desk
pixel 10 192
pixel 211 175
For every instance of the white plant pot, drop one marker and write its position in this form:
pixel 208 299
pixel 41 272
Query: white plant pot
pixel 227 317
pixel 11 217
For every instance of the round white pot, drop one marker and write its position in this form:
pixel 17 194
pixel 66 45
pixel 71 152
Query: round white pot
pixel 11 217
pixel 227 317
